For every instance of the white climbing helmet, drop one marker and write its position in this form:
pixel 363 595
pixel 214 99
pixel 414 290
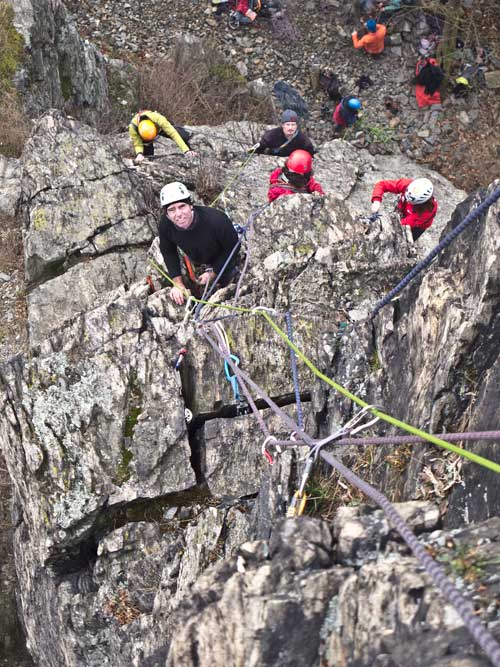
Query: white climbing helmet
pixel 419 191
pixel 173 192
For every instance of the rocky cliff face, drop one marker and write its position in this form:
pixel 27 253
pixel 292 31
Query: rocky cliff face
pixel 61 70
pixel 142 540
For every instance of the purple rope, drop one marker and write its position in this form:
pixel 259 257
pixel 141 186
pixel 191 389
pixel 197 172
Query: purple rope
pixel 477 629
pixel 402 439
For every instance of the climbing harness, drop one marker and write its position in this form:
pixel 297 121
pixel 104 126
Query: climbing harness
pixel 245 229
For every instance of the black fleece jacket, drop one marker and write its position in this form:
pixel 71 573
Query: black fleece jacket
pixel 271 141
pixel 209 240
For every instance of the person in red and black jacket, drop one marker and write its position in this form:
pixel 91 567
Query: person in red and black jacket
pixel 346 112
pixel 416 205
pixel 247 10
pixel 295 177
pixel 428 79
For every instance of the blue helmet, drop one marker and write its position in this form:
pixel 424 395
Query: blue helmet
pixel 354 103
pixel 371 25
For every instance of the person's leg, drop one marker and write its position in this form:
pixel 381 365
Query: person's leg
pixel 244 20
pixel 184 134
pixel 231 272
pixel 416 232
pixel 149 149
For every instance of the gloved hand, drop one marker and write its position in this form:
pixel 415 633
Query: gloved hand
pixel 139 158
pixel 253 148
pixel 250 14
pixel 376 206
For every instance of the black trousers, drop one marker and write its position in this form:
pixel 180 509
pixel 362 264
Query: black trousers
pixel 416 232
pixel 149 148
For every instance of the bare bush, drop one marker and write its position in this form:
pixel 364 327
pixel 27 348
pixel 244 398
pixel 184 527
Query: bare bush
pixel 208 179
pixel 14 125
pixel 11 244
pixel 204 90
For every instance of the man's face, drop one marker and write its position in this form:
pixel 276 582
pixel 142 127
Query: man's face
pixel 181 214
pixel 289 129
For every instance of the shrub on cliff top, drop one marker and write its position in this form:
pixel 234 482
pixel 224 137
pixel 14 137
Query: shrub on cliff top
pixel 14 126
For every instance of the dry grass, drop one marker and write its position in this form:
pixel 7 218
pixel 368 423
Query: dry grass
pixel 11 244
pixel 209 179
pixel 200 90
pixel 327 490
pixel 14 125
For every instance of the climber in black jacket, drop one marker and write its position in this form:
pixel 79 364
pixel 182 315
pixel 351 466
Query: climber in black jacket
pixel 206 235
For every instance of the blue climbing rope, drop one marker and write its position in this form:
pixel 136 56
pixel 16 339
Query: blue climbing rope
pixel 295 374
pixel 470 217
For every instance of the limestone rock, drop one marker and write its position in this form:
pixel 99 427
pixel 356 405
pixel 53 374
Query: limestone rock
pixel 10 185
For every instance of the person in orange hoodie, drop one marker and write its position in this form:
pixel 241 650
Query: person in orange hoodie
pixel 373 41
pixel 295 177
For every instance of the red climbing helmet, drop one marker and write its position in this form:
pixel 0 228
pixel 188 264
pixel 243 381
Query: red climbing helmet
pixel 299 162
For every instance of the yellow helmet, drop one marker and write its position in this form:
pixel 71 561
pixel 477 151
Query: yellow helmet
pixel 147 130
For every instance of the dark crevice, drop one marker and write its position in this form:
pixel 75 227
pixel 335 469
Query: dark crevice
pixel 72 186
pixel 81 555
pixel 60 267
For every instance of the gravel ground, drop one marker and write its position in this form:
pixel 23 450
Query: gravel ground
pixel 458 140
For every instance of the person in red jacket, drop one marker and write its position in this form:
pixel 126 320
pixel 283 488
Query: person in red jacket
pixel 416 205
pixel 373 41
pixel 295 177
pixel 346 112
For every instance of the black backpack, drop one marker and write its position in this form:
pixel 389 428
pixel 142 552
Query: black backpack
pixel 289 98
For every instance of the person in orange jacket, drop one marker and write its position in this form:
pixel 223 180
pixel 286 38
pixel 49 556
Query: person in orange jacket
pixel 416 205
pixel 295 177
pixel 373 41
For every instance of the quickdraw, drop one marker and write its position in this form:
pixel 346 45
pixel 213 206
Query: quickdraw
pixel 299 498
pixel 264 450
pixel 242 407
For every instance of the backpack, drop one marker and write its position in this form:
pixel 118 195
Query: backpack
pixel 289 98
pixel 331 83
